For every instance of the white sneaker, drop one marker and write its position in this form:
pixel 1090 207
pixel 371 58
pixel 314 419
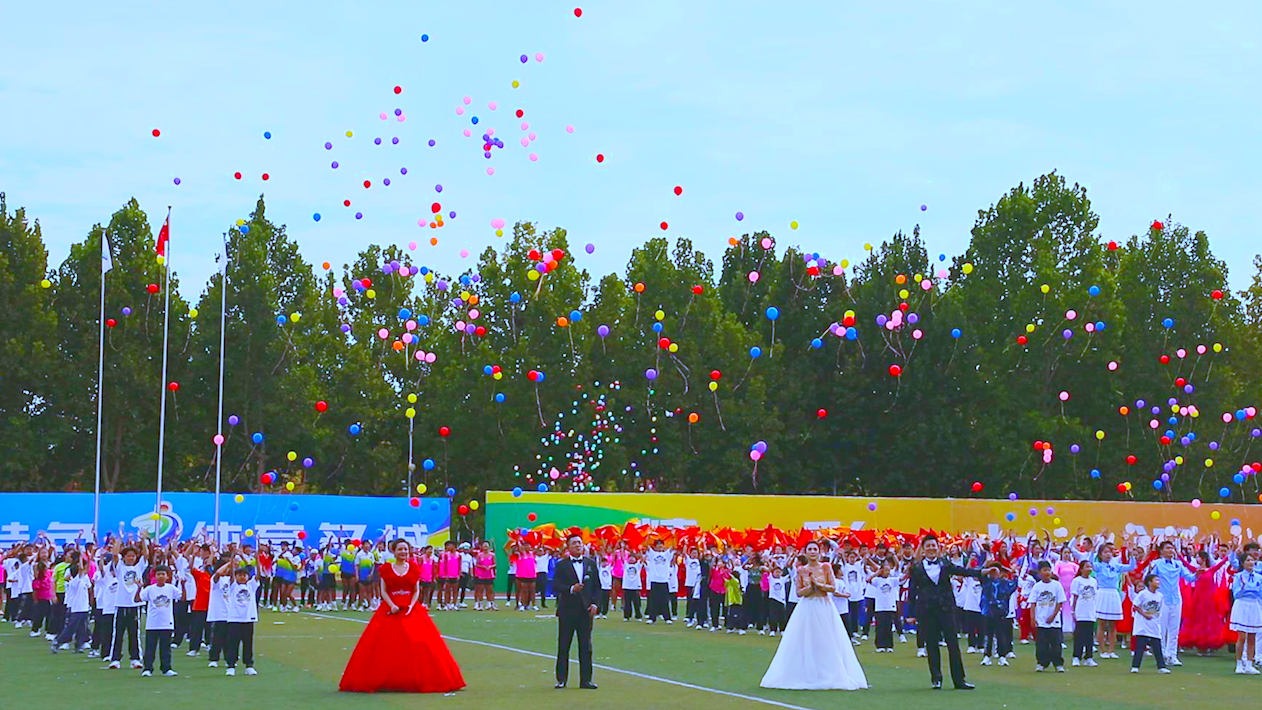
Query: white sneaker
pixel 729 630
pixel 1240 668
pixel 985 660
pixel 1134 669
pixel 864 637
pixel 146 674
pixel 93 654
pixel 713 629
pixel 1003 661
pixel 921 653
pixel 771 633
pixel 1075 662
pixel 1163 670
pixel 50 637
pixel 65 646
pixel 1060 669
pixel 1174 662
pixel 668 621
pixel 762 632
pixel 1025 642
pixel 34 634
pixel 192 653
pixel 175 645
pixel 1090 663
pixel 625 618
pixel 1038 669
pixel 902 638
pixel 1012 654
pixel 170 674
pixel 213 664
pixel 741 632
pixel 230 672
pixel 249 670
pixel 136 664
pixel 1250 670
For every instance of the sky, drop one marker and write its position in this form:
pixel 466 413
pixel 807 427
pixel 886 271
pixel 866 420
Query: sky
pixel 845 117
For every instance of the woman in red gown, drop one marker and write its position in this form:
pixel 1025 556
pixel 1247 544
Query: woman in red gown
pixel 401 650
pixel 1203 614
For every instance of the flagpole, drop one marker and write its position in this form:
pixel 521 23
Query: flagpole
pixel 100 375
pixel 223 310
pixel 162 416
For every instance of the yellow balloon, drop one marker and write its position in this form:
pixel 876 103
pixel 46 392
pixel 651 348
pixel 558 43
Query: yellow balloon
pixel 903 294
pixel 793 224
pixel 411 413
pixel 349 134
pixel 249 533
pixel 867 247
pixel 1029 327
pixel 674 347
pixel 968 268
pixel 659 315
pixel 849 314
pixel 420 488
pixel 240 222
pixel 1099 434
pixel 919 277
pixel 429 278
pixel 714 386
pixel 289 486
pixel 335 569
pixel 1055 521
pixel 1218 347
pixel 1178 460
pixel 1215 515
pixel 295 317
pixel 1209 462
pixel 516 84
pixel 473 505
pixel 411 398
pixel 1196 413
pixel 845 263
pixel 498 375
pixel 499 232
pixel 1128 485
pixel 192 313
pixel 370 293
pixel 532 275
pixel 464 295
pixel 1174 408
pixel 239 498
pixel 1045 288
pixel 155 516
pixel 292 456
pixel 161 260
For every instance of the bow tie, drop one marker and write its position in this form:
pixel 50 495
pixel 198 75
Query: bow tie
pixel 934 561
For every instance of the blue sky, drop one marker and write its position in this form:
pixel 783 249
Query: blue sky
pixel 843 116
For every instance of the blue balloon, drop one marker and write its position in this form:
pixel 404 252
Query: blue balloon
pixel 1095 473
pixel 541 377
pixel 451 492
pixel 465 280
pixel 755 352
pixel 404 314
pixel 487 370
pixel 280 320
pixel 516 492
pixel 499 397
pixel 657 327
pixel 851 333
pixel 422 319
pixel 424 38
pixel 257 438
pixel 428 464
pixel 1094 290
pixel 316 216
pixel 245 229
pixel 575 316
pixel 267 135
pixel 1100 325
pixel 760 447
pixel 543 488
pixel 1225 492
pixel 355 429
pixel 293 506
pixel 773 313
pixel 474 120
pixel 1168 322
pixel 956 333
pixel 1238 478
pixel 817 343
pixel 1158 484
pixel 424 270
pixel 942 257
pixel 514 297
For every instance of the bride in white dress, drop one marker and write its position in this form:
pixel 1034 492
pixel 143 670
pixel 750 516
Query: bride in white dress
pixel 815 652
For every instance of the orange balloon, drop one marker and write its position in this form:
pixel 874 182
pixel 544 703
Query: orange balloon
pixel 639 287
pixel 398 345
pixel 900 279
pixel 563 322
pixel 473 300
pixel 1123 410
pixel 693 418
pixel 326 266
pixel 433 241
pixel 731 241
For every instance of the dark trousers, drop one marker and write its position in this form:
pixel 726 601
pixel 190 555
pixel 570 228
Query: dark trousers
pixel 755 606
pixel 716 605
pixel 885 629
pixel 1152 644
pixel 975 625
pixel 541 589
pixel 75 629
pixel 998 636
pixel 11 608
pixel 1084 639
pixel 868 614
pixel 735 618
pixel 218 639
pixel 630 601
pixel 935 625
pixel 126 623
pixel 854 609
pixel 58 617
pixel 40 615
pixel 196 629
pixel 568 626
pixel 181 622
pixel 103 635
pixel 239 634
pixel 777 618
pixel 25 606
pixel 158 642
pixel 1047 650
pixel 512 581
pixel 602 605
pixel 659 603
pixel 788 608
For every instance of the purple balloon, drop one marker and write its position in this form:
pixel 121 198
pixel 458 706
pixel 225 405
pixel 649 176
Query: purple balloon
pixel 913 318
pixel 233 420
pixel 1067 333
pixel 1213 446
pixel 740 216
pixel 386 182
pixel 1140 404
pixel 1012 496
pixel 603 331
pixel 1074 448
pixel 761 447
pixel 650 374
pixel 126 310
pixel 403 171
pixel 346 327
pixel 442 285
pixel 308 462
pixel 881 320
pixel 470 328
pixel 541 268
pixel 590 248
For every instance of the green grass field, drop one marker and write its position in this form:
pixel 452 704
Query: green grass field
pixel 300 658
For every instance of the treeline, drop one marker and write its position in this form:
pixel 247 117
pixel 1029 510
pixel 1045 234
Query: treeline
pixel 988 358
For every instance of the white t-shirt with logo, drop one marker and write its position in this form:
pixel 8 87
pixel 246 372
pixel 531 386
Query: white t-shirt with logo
pixel 77 594
pixel 1151 603
pixel 658 566
pixel 130 578
pixel 217 604
pixel 631 577
pixel 106 590
pixel 1085 589
pixel 886 597
pixel 242 607
pixel 160 609
pixel 778 587
pixel 1044 596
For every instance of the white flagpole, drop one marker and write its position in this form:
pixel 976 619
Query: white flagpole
pixel 223 310
pixel 100 376
pixel 162 416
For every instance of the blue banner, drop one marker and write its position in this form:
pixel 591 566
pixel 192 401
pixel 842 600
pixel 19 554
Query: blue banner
pixel 246 518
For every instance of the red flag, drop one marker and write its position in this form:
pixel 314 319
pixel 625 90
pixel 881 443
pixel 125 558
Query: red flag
pixel 163 235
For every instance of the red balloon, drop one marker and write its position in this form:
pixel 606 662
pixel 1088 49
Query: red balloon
pixel 1165 441
pixel 1038 446
pixel 679 190
pixel 600 157
pixel 436 208
pixel 367 184
pixel 1022 340
pixel 895 371
pixel 156 133
pixel 1131 460
pixel 520 113
pixel 444 431
pixel 847 321
pixel 1112 246
pixel 463 509
pixel 1179 382
pixel 664 226
pixel 1121 488
pixel 322 406
pixel 977 486
pixel 558 254
pixel 697 289
pixel 534 255
pixel 265 176
pixel 578 12
pixel 1257 467
pixel 531 517
pixel 821 413
pixel 1165 359
pixel 398 89
pixel 366 283
pixel 479 331
pixel 415 502
pixel 302 534
pixel 111 323
pixel 346 203
pixel 903 307
pixel 152 288
pixel 237 175
pixel 715 374
pixel 812 270
pixel 173 386
pixel 664 343
pixel 532 375
pixel 1158 226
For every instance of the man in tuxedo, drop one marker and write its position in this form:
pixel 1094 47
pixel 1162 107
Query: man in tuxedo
pixel 576 583
pixel 932 601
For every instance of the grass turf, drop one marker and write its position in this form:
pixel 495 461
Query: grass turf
pixel 300 658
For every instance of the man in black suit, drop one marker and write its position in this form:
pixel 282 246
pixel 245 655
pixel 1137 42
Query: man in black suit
pixel 932 600
pixel 576 583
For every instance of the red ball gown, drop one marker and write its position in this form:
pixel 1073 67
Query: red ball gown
pixel 401 652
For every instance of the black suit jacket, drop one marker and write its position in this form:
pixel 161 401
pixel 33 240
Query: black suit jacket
pixel 924 595
pixel 569 603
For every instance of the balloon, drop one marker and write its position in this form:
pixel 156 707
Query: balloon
pixel 1215 515
pixel 517 492
pixel 773 313
pixel 543 488
pixel 289 486
pixel 238 498
pixel 292 455
pixel 428 465
pixel 956 333
pixel 218 439
pixel 872 506
pixel 977 486
pixel 693 418
pixel 755 455
pixel 354 429
pixel 308 462
pixel 322 406
pixel 761 447
pixel 603 331
pixel 463 510
pixel 755 352
pixel 821 413
pixel 473 505
pixel 257 438
pixel 895 371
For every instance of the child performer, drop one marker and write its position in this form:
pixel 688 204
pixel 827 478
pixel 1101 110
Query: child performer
pixel 75 630
pixel 1246 613
pixel 129 568
pixel 105 588
pixel 217 613
pixel 631 586
pixel 242 613
pixel 1147 629
pixel 1083 591
pixel 606 586
pixel 1047 597
pixel 1108 571
pixel 885 605
pixel 484 579
pixel 159 599
pixel 735 619
pixel 998 588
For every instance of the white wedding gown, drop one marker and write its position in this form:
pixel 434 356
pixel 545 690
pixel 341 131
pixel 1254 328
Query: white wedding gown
pixel 815 652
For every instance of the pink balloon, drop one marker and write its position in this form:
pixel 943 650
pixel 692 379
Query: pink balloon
pixel 525 126
pixel 420 355
pixel 490 131
pixel 218 439
pixel 474 313
pixel 467 133
pixel 430 357
pixel 1196 502
pixel 753 277
pixel 460 110
pixel 1200 349
pixel 337 291
pixel 539 57
pixel 383 333
pixel 532 135
pixel 1089 327
pixel 1071 314
pixel 401 117
pixel 1064 396
pixel 464 253
pixel 497 223
pixel 492 105
pixel 766 242
pixel 411 325
pixel 569 129
pixel 838 271
pixel 1153 424
pixel 490 171
pixel 421 223
pixel 1112 366
pixel 467 100
pixel 383 116
pixel 1181 353
pixel 916 334
pixel 755 455
pixel 525 142
pixel 460 325
pixel 412 246
pixel 407 338
pixel 926 284
pixel 534 157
